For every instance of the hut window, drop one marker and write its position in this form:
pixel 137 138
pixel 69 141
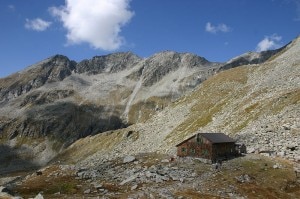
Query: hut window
pixel 193 151
pixel 183 150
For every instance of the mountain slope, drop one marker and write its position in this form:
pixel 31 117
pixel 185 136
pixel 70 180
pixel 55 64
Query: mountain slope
pixel 257 104
pixel 57 101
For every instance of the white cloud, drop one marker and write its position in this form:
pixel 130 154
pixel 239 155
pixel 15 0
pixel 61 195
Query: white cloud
pixel 218 28
pixel 269 42
pixel 37 24
pixel 97 22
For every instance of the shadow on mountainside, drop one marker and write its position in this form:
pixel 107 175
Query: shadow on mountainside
pixel 65 122
pixel 11 161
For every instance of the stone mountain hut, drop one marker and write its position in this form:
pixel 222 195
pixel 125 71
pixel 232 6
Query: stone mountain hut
pixel 209 146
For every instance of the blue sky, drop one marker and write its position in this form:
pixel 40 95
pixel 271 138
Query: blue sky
pixel 32 30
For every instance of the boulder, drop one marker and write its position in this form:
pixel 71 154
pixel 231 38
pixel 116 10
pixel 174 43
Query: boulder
pixel 4 189
pixel 131 178
pixel 281 153
pixel 243 178
pixel 39 196
pixel 5 192
pixel 87 191
pixel 129 159
pixel 277 166
pixel 165 161
pixel 133 187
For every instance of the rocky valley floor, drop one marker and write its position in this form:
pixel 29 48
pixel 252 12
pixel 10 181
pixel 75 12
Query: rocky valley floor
pixel 154 175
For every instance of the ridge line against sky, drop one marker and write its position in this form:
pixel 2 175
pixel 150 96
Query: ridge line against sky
pixel 215 29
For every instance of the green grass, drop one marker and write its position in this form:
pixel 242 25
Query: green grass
pixel 228 91
pixel 211 98
pixel 251 108
pixel 142 111
pixel 289 98
pixel 102 142
pixel 62 187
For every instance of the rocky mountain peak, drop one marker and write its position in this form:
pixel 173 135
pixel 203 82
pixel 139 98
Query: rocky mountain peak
pixel 251 58
pixel 163 63
pixel 110 63
pixel 53 69
pixel 184 59
pixel 56 61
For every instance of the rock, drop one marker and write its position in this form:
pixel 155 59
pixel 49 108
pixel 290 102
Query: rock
pixel 286 127
pixel 281 153
pixel 165 161
pixel 98 186
pixel 243 178
pixel 87 191
pixel 148 174
pixel 4 189
pixel 291 147
pixel 174 178
pixel 133 187
pixel 129 159
pixel 277 166
pixel 251 150
pixel 165 193
pixel 39 196
pixel 131 178
pixel 158 180
pixel 39 173
pixel 6 193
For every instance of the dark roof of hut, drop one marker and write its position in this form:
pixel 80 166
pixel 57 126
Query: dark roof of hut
pixel 213 138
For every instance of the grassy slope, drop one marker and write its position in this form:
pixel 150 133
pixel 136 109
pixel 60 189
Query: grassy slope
pixel 230 101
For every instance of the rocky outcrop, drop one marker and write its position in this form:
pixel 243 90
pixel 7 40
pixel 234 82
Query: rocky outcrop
pixel 159 65
pixel 111 63
pixel 251 58
pixel 53 69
